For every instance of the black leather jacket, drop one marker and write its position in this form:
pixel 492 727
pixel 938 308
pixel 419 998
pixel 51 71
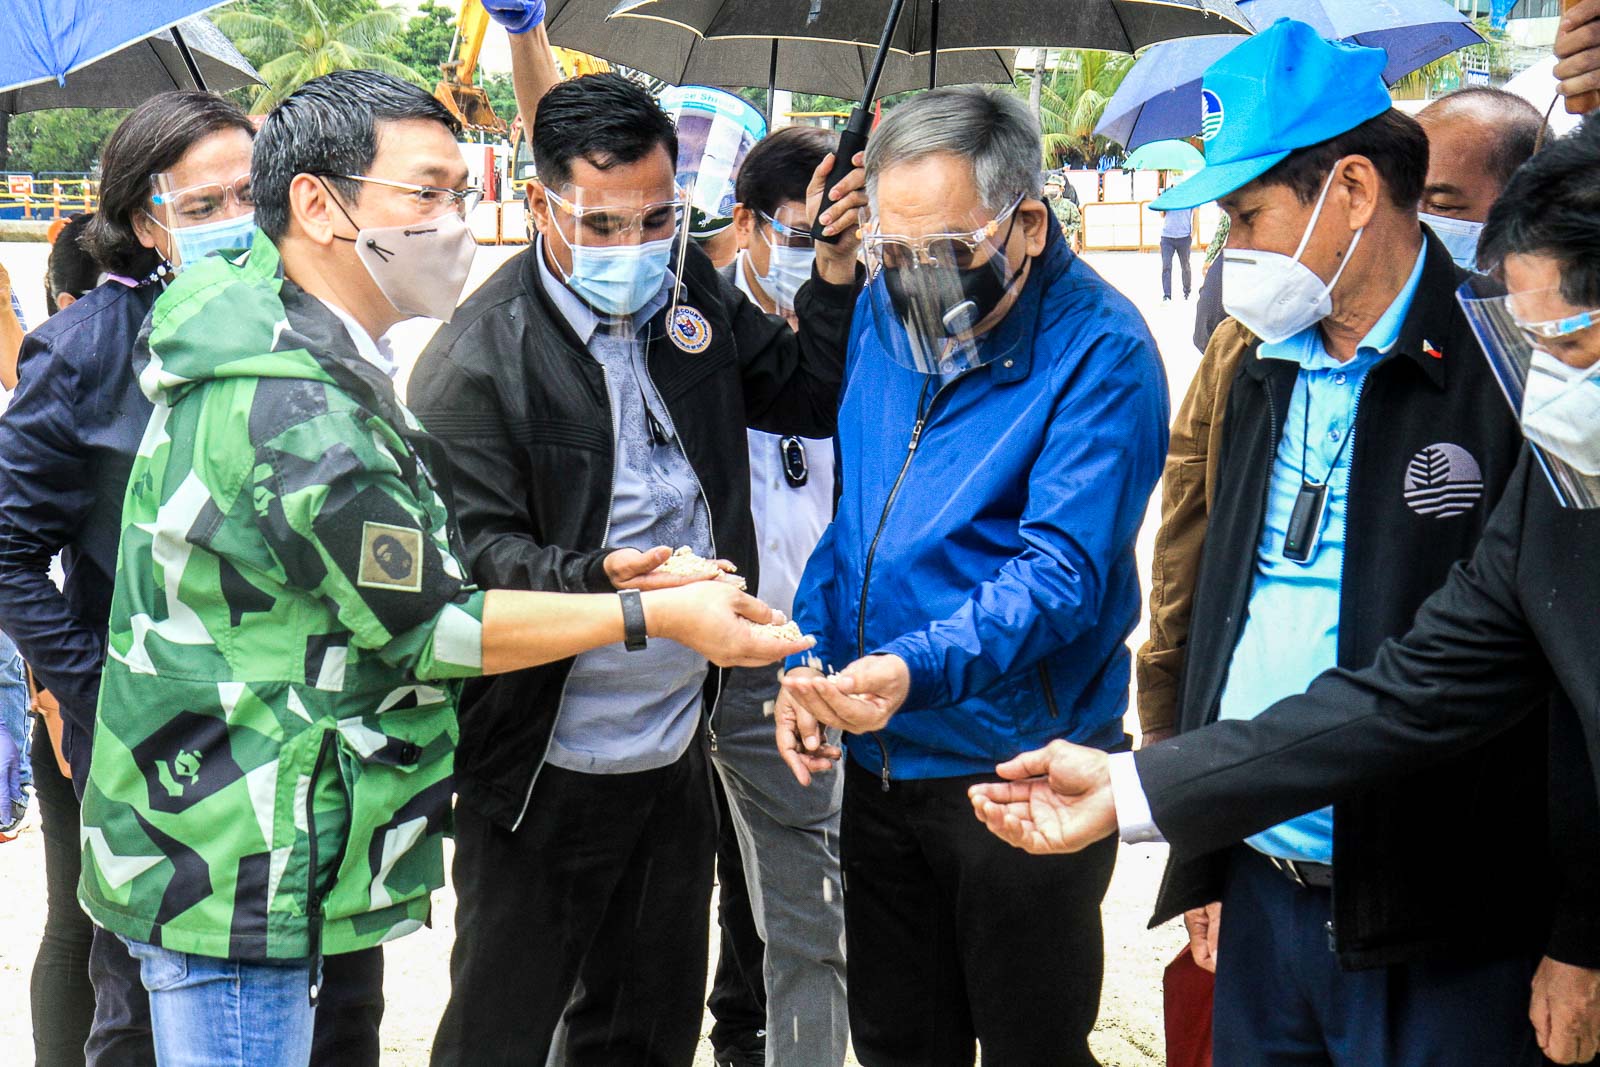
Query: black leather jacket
pixel 522 412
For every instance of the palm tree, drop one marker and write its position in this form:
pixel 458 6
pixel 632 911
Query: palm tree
pixel 294 41
pixel 1072 97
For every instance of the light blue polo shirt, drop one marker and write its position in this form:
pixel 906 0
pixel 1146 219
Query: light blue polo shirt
pixel 1291 631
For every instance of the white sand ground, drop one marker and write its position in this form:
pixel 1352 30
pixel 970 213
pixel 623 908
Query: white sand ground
pixel 1129 1030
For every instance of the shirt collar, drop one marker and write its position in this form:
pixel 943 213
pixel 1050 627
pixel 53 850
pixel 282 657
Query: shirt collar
pixel 378 353
pixel 1307 349
pixel 583 319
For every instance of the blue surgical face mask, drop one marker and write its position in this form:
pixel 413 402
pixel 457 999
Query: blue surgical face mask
pixel 1460 237
pixel 191 244
pixel 618 279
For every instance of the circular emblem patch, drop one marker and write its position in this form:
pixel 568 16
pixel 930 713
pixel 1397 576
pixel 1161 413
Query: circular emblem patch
pixel 689 330
pixel 1210 114
pixel 1443 481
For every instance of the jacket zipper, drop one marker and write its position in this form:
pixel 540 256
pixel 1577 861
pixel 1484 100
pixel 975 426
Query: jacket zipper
pixel 313 894
pixel 605 538
pixel 925 408
pixel 1049 695
pixel 1355 411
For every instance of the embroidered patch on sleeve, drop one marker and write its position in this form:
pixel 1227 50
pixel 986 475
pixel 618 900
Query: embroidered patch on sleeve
pixel 391 558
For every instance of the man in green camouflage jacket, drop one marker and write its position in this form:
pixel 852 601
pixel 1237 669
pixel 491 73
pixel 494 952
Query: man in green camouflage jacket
pixel 271 778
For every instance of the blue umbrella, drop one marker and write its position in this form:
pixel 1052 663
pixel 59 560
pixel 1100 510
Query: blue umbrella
pixel 1160 97
pixel 1165 155
pixel 52 38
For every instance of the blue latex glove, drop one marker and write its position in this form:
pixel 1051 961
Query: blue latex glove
pixel 517 16
pixel 10 777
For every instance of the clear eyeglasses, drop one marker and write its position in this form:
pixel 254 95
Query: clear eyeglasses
pixel 610 224
pixel 195 204
pixel 958 250
pixel 431 199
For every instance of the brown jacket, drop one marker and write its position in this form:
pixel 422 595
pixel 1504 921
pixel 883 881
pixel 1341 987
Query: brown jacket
pixel 1186 481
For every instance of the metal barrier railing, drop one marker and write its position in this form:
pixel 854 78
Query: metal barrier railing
pixel 26 197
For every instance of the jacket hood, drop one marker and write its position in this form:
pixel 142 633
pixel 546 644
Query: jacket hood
pixel 224 317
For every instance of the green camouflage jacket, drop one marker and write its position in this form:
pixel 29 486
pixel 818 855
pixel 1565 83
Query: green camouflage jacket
pixel 272 757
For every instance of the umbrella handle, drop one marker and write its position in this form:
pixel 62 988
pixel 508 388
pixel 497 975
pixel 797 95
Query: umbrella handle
pixel 852 140
pixel 1585 102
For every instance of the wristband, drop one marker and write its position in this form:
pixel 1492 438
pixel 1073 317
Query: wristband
pixel 633 629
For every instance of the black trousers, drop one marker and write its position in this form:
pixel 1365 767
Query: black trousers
pixel 738 1000
pixel 1182 248
pixel 955 937
pixel 60 994
pixel 106 1023
pixel 592 913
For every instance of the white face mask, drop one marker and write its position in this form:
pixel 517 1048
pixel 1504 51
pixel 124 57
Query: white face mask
pixel 422 267
pixel 1276 296
pixel 787 270
pixel 1460 237
pixel 1561 411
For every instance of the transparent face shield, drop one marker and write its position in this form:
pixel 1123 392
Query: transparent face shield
pixel 934 295
pixel 202 218
pixel 716 130
pixel 621 244
pixel 1546 356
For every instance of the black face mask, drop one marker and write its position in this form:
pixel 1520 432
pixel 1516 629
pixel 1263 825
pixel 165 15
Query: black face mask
pixel 940 309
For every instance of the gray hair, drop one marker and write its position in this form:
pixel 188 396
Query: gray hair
pixel 990 128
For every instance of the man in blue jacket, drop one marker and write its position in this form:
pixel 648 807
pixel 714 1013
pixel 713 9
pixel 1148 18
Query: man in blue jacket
pixel 1003 425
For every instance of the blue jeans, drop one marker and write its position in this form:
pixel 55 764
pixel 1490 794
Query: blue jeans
pixel 14 708
pixel 207 1012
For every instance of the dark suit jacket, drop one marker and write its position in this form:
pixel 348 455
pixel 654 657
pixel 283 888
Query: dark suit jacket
pixel 1514 624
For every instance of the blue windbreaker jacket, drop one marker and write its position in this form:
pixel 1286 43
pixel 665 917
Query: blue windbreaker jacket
pixel 986 529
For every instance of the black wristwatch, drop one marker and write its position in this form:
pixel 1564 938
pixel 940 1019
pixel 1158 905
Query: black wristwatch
pixel 633 631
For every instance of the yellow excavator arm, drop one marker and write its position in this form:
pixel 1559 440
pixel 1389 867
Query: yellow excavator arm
pixel 456 91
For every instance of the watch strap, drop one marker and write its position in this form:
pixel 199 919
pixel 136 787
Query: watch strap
pixel 633 628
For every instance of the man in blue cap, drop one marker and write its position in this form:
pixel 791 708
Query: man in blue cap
pixel 1363 446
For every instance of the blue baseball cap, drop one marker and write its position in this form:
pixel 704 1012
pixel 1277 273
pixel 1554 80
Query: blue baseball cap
pixel 1282 89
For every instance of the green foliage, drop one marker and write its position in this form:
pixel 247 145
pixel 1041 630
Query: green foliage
pixel 502 97
pixel 1072 98
pixel 292 41
pixel 425 42
pixel 65 139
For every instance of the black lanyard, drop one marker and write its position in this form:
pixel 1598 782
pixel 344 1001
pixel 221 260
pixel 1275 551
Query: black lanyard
pixel 1305 519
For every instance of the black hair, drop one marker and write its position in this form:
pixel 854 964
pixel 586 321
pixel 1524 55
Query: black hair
pixel 330 126
pixel 150 140
pixel 70 269
pixel 603 119
pixel 1393 141
pixel 1516 123
pixel 779 168
pixel 1551 207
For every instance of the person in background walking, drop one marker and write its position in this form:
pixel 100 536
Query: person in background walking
pixel 1177 239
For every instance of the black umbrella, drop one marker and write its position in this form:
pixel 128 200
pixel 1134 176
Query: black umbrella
pixel 192 54
pixel 681 57
pixel 928 26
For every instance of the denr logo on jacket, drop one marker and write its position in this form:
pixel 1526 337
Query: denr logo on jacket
pixel 1442 481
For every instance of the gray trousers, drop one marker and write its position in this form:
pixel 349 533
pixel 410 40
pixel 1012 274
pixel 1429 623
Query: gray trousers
pixel 789 840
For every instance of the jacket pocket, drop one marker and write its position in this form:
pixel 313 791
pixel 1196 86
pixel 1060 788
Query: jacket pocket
pixel 396 769
pixel 1049 693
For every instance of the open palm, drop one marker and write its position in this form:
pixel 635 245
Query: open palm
pixel 1028 814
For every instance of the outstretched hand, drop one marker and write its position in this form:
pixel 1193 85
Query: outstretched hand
pixel 802 742
pixel 1053 799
